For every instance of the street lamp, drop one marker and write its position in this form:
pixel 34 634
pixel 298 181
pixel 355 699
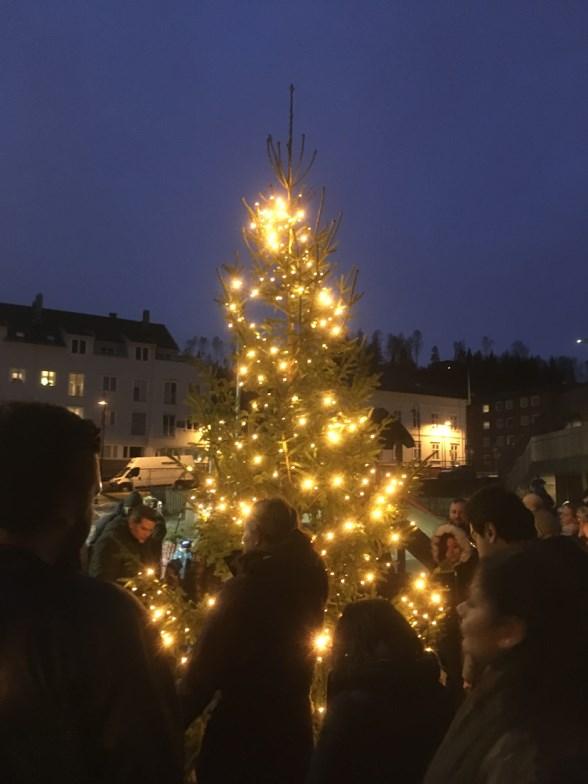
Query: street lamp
pixel 581 340
pixel 103 404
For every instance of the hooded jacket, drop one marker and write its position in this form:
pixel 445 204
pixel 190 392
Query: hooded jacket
pixel 383 725
pixel 255 652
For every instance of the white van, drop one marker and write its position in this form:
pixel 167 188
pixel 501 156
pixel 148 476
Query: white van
pixel 146 472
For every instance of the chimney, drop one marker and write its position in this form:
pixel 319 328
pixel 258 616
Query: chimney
pixel 37 308
pixel 112 315
pixel 146 316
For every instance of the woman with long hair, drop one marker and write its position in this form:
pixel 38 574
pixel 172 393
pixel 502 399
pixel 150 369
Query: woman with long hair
pixel 526 621
pixel 387 710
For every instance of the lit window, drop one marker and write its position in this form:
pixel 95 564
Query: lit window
pixel 17 375
pixel 76 410
pixel 434 419
pixel 486 425
pixel 75 385
pixel 435 451
pixel 48 378
pixel 486 408
pixel 453 421
pixel 453 452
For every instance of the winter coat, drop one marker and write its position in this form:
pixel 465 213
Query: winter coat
pixel 118 555
pixel 485 745
pixel 255 652
pixel 382 725
pixel 86 696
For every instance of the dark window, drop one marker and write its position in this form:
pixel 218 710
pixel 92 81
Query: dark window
pixel 170 392
pixel 142 353
pixel 138 423
pixel 78 346
pixel 508 404
pixel 416 417
pixel 500 423
pixel 510 423
pixel 109 384
pixel 524 421
pixel 535 401
pixel 140 391
pixel 169 425
pixel 524 402
pixel 434 419
pixel 499 405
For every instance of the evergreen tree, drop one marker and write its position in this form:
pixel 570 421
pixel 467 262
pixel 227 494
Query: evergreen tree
pixel 296 420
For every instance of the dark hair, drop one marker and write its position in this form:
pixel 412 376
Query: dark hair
pixel 143 512
pixel 276 519
pixel 457 501
pixel 505 510
pixel 49 447
pixel 371 630
pixel 443 539
pixel 545 585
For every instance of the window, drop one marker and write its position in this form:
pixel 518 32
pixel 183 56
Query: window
pixel 78 346
pixel 111 417
pixel 111 450
pixel 109 384
pixel 138 423
pixel 499 441
pixel 524 402
pixel 142 353
pixel 169 392
pixel 416 417
pixel 453 422
pixel 169 425
pixel 486 441
pixel 499 405
pixel 510 440
pixel 486 425
pixel 486 408
pixel 508 404
pixel 510 423
pixel 17 375
pixel 453 452
pixel 417 450
pixel 500 423
pixel 48 378
pixel 140 391
pixel 525 421
pixel 133 451
pixel 76 410
pixel 535 401
pixel 434 419
pixel 75 385
pixel 435 451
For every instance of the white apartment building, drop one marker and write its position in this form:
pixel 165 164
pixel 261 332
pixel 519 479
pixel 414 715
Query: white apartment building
pixel 125 375
pixel 437 424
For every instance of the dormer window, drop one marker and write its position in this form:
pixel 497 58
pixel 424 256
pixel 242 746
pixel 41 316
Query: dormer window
pixel 78 346
pixel 142 354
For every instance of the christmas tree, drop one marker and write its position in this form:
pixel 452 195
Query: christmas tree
pixel 296 419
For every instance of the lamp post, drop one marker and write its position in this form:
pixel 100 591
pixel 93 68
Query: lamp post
pixel 103 405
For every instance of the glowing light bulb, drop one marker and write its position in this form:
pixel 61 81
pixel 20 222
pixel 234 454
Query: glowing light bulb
pixel 349 525
pixel 274 350
pixel 302 421
pixel 257 459
pixel 420 584
pixel 167 639
pixel 333 437
pixel 251 353
pixel 329 401
pixel 211 601
pixel 435 598
pixel 329 536
pixel 376 514
pixel 337 480
pixel 236 284
pixel 395 538
pixel 322 641
pixel 307 484
pixel 370 577
pixel 243 370
pixel 325 298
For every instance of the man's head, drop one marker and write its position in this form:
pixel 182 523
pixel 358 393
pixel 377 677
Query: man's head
pixel 142 522
pixel 48 477
pixel 498 518
pixel 271 522
pixel 457 512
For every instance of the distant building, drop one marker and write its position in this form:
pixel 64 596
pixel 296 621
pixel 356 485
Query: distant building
pixel 125 375
pixel 436 422
pixel 499 426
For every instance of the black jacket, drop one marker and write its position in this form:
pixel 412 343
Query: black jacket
pixel 486 744
pixel 255 652
pixel 117 555
pixel 85 694
pixel 382 725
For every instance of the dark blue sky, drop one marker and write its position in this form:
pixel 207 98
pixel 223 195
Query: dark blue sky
pixel 453 136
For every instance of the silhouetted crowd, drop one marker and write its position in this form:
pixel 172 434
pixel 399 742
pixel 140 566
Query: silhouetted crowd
pixel 87 693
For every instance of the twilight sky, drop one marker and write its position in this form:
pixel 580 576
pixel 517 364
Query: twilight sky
pixel 453 136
